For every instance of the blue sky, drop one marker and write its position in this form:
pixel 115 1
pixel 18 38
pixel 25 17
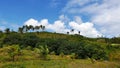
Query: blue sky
pixel 21 10
pixel 92 17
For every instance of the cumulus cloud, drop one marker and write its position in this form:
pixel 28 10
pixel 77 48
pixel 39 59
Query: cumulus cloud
pixel 86 29
pixel 59 26
pixel 31 22
pixel 78 19
pixel 104 13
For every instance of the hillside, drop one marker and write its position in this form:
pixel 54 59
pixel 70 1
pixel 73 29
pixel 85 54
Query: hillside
pixel 30 46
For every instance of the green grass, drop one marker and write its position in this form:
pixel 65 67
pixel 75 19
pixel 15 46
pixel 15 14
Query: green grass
pixel 115 44
pixel 62 63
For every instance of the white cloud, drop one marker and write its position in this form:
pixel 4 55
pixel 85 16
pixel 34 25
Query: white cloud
pixel 86 29
pixel 104 13
pixel 59 26
pixel 78 19
pixel 31 22
pixel 75 6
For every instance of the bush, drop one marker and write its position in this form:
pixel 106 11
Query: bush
pixel 29 40
pixel 96 51
pixel 13 51
pixel 42 51
pixel 11 39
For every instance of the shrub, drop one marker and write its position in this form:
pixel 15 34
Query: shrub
pixel 29 40
pixel 42 51
pixel 13 51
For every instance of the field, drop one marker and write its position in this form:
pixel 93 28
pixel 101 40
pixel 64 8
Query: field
pixel 59 62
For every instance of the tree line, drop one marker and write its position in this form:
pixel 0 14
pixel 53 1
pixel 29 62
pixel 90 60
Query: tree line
pixel 25 28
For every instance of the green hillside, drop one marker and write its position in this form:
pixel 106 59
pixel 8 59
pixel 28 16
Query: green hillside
pixel 29 46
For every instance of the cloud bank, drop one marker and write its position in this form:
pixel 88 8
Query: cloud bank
pixel 105 14
pixel 60 26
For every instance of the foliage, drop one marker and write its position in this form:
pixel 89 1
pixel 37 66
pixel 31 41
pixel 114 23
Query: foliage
pixel 12 38
pixel 96 51
pixel 12 51
pixel 73 56
pixel 29 40
pixel 82 47
pixel 42 51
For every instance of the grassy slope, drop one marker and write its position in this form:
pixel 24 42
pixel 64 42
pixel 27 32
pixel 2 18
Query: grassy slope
pixel 30 61
pixel 62 63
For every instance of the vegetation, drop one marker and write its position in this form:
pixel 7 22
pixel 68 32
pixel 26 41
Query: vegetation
pixel 32 45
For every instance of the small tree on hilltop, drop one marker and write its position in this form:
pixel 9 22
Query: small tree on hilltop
pixel 72 31
pixel 79 32
pixel 7 30
pixel 43 28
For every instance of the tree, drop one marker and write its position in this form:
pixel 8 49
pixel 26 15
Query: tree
pixel 1 31
pixel 13 51
pixel 43 28
pixel 37 27
pixel 26 28
pixel 72 30
pixel 30 27
pixel 43 51
pixel 95 51
pixel 20 30
pixel 79 32
pixel 67 32
pixel 12 39
pixel 29 40
pixel 7 30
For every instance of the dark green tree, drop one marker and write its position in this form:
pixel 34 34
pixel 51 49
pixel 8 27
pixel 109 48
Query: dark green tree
pixel 67 32
pixel 72 30
pixel 20 30
pixel 79 32
pixel 7 30
pixel 43 28
pixel 37 28
pixel 13 38
pixel 30 40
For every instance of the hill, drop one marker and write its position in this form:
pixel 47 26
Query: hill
pixel 16 46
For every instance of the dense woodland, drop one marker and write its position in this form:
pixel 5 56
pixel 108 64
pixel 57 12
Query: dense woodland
pixel 43 43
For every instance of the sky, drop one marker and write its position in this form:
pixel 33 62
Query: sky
pixel 92 18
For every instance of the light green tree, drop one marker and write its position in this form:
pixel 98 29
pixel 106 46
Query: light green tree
pixel 42 51
pixel 13 51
